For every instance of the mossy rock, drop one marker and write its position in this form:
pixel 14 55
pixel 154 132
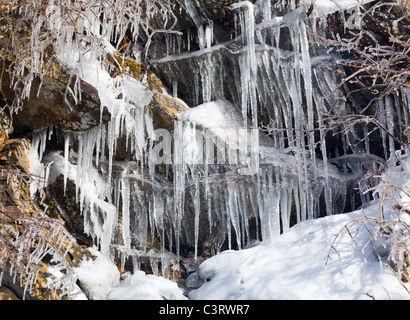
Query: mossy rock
pixel 165 109
pixel 163 106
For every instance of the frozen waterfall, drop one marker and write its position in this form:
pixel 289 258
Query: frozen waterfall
pixel 217 179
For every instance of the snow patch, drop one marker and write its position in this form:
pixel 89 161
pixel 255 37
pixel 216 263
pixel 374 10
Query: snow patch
pixel 141 286
pixel 325 7
pixel 99 275
pixel 293 267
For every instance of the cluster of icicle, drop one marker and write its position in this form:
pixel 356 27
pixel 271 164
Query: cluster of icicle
pixel 89 25
pixel 138 203
pixel 81 34
pixel 289 85
pixel 282 82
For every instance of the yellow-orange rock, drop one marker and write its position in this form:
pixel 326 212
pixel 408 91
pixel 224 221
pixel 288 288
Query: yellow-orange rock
pixel 163 106
pixel 165 109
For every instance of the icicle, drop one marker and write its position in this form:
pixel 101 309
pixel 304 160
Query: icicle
pixel 405 92
pixel 381 115
pixel 204 36
pixel 179 182
pixel 232 208
pixel 196 200
pixel 175 89
pixel 307 79
pixel 327 189
pixel 268 204
pixel 125 196
pixel 209 34
pixel 244 198
pixel 66 159
pixel 39 142
pixel 390 124
pixel 158 216
pixel 248 63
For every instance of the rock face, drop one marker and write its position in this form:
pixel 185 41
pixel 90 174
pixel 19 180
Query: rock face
pixel 7 294
pixel 165 110
pixel 48 107
pixel 189 208
pixel 5 128
pixel 15 155
pixel 163 106
pixel 49 103
pixel 22 216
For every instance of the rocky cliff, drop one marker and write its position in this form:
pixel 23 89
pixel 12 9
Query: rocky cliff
pixel 75 149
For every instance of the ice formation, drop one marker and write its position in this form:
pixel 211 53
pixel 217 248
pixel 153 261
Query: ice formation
pixel 223 167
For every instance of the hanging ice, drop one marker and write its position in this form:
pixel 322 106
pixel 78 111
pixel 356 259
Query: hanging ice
pixel 230 183
pixel 248 63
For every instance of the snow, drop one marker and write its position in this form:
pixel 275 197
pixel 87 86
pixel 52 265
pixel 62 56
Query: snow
pixel 36 169
pixel 213 114
pixel 99 275
pixel 300 264
pixel 293 267
pixel 288 266
pixel 325 7
pixel 141 286
pixel 102 278
pixel 75 294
